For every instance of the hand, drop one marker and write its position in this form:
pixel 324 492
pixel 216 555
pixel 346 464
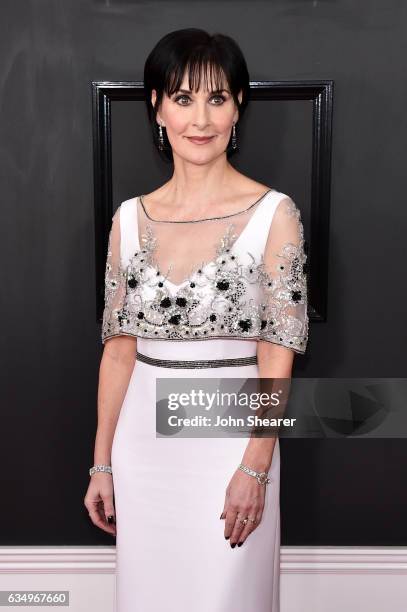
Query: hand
pixel 99 501
pixel 244 498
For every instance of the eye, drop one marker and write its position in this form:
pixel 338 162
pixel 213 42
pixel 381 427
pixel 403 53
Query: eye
pixel 181 98
pixel 219 97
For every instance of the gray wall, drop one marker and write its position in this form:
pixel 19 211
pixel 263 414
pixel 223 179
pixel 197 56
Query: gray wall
pixel 333 491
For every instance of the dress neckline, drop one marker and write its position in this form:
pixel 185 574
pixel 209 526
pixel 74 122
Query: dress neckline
pixel 208 218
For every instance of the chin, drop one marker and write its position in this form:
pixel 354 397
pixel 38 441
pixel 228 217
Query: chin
pixel 198 158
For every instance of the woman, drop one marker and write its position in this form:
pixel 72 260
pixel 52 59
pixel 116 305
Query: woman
pixel 207 271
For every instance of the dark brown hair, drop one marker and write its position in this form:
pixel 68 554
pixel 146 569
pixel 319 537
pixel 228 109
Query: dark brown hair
pixel 198 52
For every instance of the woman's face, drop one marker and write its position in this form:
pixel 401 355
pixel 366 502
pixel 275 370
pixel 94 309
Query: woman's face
pixel 203 113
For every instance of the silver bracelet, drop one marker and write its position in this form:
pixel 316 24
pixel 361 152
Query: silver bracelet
pixel 100 468
pixel 262 477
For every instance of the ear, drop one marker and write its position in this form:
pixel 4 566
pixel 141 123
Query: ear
pixel 240 98
pixel 153 99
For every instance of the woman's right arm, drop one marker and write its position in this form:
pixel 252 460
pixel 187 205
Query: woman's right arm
pixel 116 366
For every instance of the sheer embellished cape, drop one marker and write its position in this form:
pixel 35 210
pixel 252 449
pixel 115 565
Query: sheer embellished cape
pixel 241 275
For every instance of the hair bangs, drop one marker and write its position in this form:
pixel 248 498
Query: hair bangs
pixel 201 67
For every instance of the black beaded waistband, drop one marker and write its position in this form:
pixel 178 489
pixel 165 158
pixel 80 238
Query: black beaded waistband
pixel 197 363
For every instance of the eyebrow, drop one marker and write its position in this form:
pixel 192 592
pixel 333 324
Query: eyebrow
pixel 188 91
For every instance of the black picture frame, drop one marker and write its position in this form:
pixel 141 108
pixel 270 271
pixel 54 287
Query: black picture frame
pixel 320 92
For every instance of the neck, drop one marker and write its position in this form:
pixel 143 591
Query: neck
pixel 195 188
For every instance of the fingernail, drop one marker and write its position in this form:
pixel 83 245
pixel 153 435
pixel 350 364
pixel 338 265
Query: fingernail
pixel 110 519
pixel 221 516
pixel 233 545
pixel 240 543
pixel 227 537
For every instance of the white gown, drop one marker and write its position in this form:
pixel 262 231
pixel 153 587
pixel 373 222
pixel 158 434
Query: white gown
pixel 171 552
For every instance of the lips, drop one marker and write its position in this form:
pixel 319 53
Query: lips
pixel 200 139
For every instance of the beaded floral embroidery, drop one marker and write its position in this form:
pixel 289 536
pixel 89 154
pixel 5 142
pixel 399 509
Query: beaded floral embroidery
pixel 225 297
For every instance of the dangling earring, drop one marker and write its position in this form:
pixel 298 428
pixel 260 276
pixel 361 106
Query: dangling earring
pixel 234 139
pixel 160 137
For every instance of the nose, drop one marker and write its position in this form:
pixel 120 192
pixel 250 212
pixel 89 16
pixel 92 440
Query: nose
pixel 201 116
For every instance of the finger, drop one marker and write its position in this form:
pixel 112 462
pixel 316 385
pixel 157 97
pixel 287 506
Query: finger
pixel 230 519
pixel 223 513
pixel 249 527
pixel 98 519
pixel 238 527
pixel 259 516
pixel 108 507
pixel 109 513
pixel 110 525
pixel 101 512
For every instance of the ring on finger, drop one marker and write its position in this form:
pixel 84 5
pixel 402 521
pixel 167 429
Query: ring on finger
pixel 243 521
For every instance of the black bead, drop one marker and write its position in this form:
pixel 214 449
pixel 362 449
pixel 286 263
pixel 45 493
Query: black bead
pixel 132 282
pixel 181 301
pixel 140 315
pixel 174 319
pixel 165 302
pixel 245 324
pixel 296 296
pixel 222 285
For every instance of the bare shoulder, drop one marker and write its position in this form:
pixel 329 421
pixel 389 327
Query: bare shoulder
pixel 248 188
pixel 157 196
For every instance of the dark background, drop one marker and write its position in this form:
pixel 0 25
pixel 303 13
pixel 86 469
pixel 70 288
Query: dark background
pixel 334 492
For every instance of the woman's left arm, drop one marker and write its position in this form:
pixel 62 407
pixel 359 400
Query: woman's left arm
pixel 274 361
pixel 244 495
pixel 283 297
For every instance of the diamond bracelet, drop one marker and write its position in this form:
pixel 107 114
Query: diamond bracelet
pixel 262 477
pixel 100 468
